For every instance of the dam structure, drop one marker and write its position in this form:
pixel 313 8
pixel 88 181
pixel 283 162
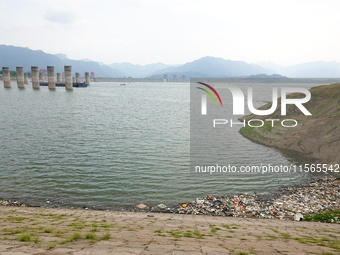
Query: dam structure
pixel 38 78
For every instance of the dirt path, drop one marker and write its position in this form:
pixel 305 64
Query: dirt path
pixel 25 230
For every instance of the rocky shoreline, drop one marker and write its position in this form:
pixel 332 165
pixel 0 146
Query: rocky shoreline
pixel 288 202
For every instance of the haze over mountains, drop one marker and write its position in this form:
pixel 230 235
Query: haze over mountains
pixel 12 56
pixel 208 67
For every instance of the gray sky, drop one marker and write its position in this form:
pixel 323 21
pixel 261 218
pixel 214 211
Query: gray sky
pixel 176 31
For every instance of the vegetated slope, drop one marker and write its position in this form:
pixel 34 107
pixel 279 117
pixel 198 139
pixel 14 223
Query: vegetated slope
pixel 316 137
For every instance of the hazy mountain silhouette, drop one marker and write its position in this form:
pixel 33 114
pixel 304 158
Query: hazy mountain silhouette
pixel 138 71
pixel 213 67
pixel 318 69
pixel 208 67
pixel 12 56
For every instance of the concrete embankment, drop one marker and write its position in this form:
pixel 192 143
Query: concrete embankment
pixel 55 231
pixel 316 138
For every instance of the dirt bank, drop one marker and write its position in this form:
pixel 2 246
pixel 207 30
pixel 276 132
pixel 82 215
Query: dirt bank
pixel 316 138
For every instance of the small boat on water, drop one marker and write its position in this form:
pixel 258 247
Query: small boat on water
pixel 122 84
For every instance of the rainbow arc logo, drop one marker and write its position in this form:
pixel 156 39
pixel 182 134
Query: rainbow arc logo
pixel 211 92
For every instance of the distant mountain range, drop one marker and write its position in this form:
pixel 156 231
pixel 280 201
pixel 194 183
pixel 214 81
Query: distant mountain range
pixel 207 67
pixel 139 71
pixel 213 67
pixel 11 56
pixel 318 69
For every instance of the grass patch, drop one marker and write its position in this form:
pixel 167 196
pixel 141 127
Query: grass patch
pixel 327 253
pixel 214 229
pixel 174 233
pixel 47 214
pixel 91 236
pixel 242 253
pixel 64 241
pixel 106 225
pixel 193 234
pixel 25 238
pixel 188 234
pixel 301 240
pixel 16 219
pixel 48 230
pixel 59 232
pixel 74 237
pixel 326 216
pixel 270 237
pixel 14 231
pixel 105 236
pixel 283 235
pixel 51 245
pixel 76 225
pixel 58 217
pixel 327 242
pixel 198 234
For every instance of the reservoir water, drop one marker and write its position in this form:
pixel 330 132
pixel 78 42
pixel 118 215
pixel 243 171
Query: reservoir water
pixel 112 146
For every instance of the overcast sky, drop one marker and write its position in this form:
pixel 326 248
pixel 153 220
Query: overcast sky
pixel 176 31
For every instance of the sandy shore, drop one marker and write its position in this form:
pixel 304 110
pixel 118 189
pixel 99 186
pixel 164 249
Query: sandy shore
pixel 27 230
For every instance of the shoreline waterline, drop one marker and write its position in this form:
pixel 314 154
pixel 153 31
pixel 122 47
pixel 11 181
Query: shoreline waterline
pixel 304 198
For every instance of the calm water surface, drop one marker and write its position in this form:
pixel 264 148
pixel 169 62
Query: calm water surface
pixel 112 146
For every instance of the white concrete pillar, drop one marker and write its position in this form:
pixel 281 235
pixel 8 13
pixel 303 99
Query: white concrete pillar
pixel 68 77
pixel 26 78
pixel 20 77
pixel 50 77
pixel 87 78
pixel 58 77
pixel 78 78
pixel 6 77
pixel 35 77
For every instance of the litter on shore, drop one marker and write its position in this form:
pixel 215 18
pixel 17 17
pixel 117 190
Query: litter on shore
pixel 288 202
